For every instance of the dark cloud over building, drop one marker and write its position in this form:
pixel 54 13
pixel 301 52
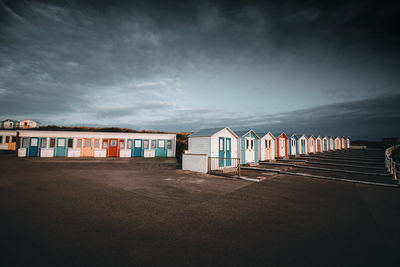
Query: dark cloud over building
pixel 309 66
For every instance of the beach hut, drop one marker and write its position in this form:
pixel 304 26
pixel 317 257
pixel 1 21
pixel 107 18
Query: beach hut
pixel 343 142
pixel 318 144
pixel 28 124
pixel 338 143
pixel 293 144
pixel 311 144
pixel 325 143
pixel 331 143
pixel 267 146
pixel 9 124
pixel 219 144
pixel 303 145
pixel 248 146
pixel 281 144
pixel 348 142
pixel 8 140
pixel 92 144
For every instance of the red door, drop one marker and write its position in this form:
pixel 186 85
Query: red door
pixel 113 150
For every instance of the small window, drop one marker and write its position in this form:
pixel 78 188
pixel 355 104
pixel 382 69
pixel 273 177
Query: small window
pixel 96 143
pixel 7 139
pixel 88 142
pixel 138 143
pixel 79 144
pixel 161 143
pixel 113 143
pixel 269 143
pixel 52 142
pixel 70 143
pixel 105 143
pixel 228 144
pixel 169 144
pixel 61 142
pixel 221 143
pixel 247 143
pixel 153 144
pixel 146 144
pixel 252 144
pixel 43 142
pixel 1 139
pixel 14 139
pixel 130 143
pixel 121 144
pixel 25 142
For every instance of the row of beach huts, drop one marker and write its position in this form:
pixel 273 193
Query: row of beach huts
pixel 224 145
pixel 38 143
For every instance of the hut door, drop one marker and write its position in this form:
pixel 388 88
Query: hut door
pixel 228 155
pixel 60 147
pixel 282 147
pixel 221 149
pixel 268 149
pixel 113 149
pixel 129 145
pixel 87 150
pixel 34 147
pixel 250 150
pixel 138 148
pixel 160 149
pixel 293 146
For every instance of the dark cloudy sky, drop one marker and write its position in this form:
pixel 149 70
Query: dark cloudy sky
pixel 315 67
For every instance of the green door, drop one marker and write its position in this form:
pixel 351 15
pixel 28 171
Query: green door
pixel 161 150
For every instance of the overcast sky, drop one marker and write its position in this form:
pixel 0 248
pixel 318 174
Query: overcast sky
pixel 317 68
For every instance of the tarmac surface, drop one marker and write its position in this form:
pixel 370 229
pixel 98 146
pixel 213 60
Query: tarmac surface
pixel 124 212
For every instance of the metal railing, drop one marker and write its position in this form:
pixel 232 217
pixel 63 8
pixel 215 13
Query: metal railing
pixel 223 165
pixel 392 166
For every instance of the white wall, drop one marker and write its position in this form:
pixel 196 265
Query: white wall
pixel 199 145
pixel 195 162
pixel 22 152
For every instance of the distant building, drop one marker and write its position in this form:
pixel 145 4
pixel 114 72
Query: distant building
pixel 28 124
pixel 9 124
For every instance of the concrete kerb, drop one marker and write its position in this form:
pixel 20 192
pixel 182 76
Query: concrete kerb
pixel 324 169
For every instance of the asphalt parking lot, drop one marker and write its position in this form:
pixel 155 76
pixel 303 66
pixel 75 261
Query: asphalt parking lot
pixel 124 212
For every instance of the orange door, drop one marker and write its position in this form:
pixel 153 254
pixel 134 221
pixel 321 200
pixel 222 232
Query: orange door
pixel 87 149
pixel 12 142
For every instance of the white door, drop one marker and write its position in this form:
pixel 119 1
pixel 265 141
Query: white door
pixel 293 147
pixel 282 147
pixel 250 143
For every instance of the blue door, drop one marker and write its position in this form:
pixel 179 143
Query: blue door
pixel 138 148
pixel 221 151
pixel 34 147
pixel 61 145
pixel 228 151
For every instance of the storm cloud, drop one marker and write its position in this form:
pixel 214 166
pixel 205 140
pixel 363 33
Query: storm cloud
pixel 186 65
